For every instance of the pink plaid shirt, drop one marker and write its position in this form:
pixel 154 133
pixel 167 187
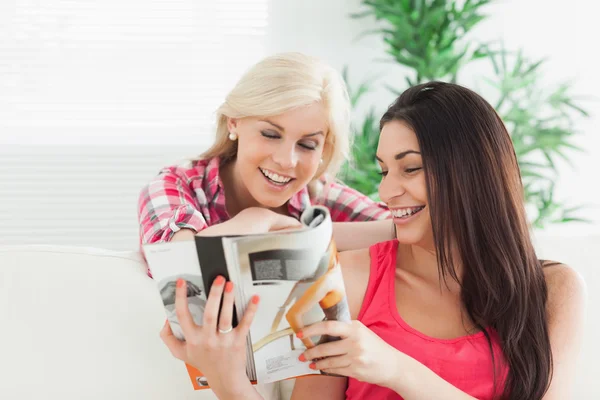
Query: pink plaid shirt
pixel 193 198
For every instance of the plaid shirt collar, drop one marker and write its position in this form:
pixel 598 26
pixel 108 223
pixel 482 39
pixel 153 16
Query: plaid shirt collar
pixel 215 191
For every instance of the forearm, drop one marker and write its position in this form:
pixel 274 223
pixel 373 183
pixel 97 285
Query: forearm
pixel 215 230
pixel 183 234
pixel 360 235
pixel 414 381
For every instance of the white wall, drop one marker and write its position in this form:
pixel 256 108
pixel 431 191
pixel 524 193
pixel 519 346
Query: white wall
pixel 566 34
pixel 96 96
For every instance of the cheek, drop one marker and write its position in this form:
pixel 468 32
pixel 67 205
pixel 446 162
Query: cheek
pixel 254 151
pixel 309 160
pixel 421 189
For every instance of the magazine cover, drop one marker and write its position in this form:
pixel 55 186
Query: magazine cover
pixel 296 273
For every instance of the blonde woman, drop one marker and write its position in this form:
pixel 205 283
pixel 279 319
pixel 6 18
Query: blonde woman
pixel 282 134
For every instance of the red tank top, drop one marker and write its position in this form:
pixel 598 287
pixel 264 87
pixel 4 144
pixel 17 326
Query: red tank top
pixel 465 362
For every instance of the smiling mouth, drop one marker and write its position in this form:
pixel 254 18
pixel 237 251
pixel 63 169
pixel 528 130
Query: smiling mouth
pixel 407 212
pixel 275 178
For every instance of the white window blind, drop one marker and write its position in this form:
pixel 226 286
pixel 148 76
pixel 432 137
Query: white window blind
pixel 97 95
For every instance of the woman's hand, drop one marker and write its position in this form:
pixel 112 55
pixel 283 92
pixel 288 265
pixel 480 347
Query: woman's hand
pixel 267 220
pixel 360 354
pixel 251 221
pixel 216 349
pixel 364 356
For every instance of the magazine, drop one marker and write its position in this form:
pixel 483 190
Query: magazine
pixel 295 272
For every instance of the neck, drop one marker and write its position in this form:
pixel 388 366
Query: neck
pixel 421 261
pixel 237 196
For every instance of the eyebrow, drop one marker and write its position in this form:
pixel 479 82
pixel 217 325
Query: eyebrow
pixel 283 130
pixel 400 156
pixel 274 124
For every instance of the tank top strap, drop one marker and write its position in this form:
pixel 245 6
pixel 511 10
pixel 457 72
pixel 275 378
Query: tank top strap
pixel 383 257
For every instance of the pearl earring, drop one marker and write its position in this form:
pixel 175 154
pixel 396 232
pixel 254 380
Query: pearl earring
pixel 233 136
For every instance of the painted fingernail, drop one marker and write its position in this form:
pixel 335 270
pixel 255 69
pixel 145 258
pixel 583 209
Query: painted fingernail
pixel 302 358
pixel 219 280
pixel 228 287
pixel 180 282
pixel 255 299
pixel 299 335
pixel 312 366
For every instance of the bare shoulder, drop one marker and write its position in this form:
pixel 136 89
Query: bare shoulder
pixel 356 270
pixel 566 289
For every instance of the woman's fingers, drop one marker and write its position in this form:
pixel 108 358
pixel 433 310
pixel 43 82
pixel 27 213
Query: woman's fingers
pixel 329 363
pixel 211 312
pixel 244 325
pixel 176 346
pixel 330 349
pixel 226 320
pixel 331 328
pixel 186 321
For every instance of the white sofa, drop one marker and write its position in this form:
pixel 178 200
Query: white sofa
pixel 81 323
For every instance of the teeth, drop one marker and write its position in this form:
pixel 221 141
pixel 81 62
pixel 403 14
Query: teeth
pixel 401 212
pixel 274 177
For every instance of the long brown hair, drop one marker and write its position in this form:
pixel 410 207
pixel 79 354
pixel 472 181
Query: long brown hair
pixel 475 196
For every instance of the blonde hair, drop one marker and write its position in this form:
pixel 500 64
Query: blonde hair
pixel 278 84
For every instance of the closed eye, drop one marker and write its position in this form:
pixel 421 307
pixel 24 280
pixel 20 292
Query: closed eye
pixel 270 135
pixel 310 145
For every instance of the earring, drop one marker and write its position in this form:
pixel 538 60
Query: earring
pixel 321 162
pixel 233 136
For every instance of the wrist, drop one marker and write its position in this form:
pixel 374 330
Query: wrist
pixel 401 374
pixel 236 388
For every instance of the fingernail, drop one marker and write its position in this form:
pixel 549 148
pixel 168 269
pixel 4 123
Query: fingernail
pixel 255 299
pixel 180 282
pixel 312 366
pixel 302 358
pixel 219 280
pixel 299 335
pixel 228 287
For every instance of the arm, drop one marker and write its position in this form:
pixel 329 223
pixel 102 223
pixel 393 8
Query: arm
pixel 168 204
pixel 348 206
pixel 360 235
pixel 355 269
pixel 414 381
pixel 169 209
pixel 565 310
pixel 403 374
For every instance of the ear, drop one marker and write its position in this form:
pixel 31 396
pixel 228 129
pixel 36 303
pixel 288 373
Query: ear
pixel 231 124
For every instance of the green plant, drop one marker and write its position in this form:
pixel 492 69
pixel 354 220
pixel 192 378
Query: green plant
pixel 361 172
pixel 431 37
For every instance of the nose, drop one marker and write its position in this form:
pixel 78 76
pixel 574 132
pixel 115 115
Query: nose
pixel 390 187
pixel 286 156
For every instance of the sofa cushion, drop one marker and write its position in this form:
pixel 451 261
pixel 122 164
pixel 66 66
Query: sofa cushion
pixel 84 323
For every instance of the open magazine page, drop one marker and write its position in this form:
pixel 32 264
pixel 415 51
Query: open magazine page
pixel 299 281
pixel 241 297
pixel 168 262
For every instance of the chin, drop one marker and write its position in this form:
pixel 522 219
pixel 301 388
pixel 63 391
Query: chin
pixel 271 201
pixel 409 238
